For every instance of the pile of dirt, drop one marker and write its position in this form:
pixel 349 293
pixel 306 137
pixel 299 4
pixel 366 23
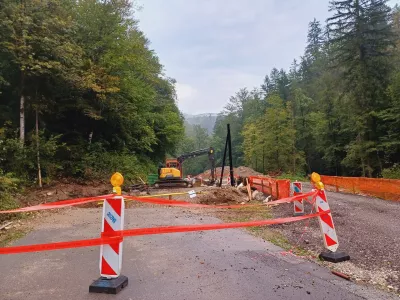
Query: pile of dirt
pixel 240 171
pixel 62 190
pixel 224 195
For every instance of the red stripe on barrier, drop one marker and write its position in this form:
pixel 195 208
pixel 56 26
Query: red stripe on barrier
pixel 115 205
pixel 149 231
pixel 106 268
pixel 107 227
pixel 329 241
pixel 115 247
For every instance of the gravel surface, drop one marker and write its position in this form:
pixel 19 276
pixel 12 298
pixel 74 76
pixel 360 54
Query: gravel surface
pixel 368 230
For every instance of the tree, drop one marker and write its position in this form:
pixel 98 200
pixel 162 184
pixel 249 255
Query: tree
pixel 361 35
pixel 80 74
pixel 315 39
pixel 35 38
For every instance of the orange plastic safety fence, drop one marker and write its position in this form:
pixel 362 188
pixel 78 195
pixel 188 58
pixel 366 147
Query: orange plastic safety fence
pixel 388 189
pixel 277 188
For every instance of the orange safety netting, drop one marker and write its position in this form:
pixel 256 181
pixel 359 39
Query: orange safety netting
pixel 388 189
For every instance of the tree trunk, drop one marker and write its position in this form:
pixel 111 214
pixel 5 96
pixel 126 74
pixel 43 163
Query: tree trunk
pixel 22 119
pixel 37 149
pixel 263 169
pixel 90 137
pixel 380 162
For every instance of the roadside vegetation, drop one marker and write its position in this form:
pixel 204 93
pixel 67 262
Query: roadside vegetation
pixel 82 94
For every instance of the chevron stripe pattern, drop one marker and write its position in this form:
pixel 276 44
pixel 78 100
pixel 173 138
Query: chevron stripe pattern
pixel 111 254
pixel 298 206
pixel 326 222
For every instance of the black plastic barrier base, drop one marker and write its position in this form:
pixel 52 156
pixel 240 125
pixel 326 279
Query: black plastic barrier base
pixel 334 257
pixel 296 214
pixel 109 286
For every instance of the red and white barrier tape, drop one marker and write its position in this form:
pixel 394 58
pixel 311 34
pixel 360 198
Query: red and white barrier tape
pixel 58 204
pixel 149 231
pixel 194 205
pixel 160 201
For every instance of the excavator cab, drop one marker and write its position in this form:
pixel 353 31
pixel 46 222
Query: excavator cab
pixel 172 163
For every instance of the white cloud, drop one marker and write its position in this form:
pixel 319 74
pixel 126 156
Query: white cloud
pixel 185 92
pixel 215 47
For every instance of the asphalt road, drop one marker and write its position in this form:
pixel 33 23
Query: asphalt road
pixel 225 264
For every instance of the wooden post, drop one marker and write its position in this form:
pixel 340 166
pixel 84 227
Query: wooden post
pixel 230 155
pixel 223 161
pixel 248 189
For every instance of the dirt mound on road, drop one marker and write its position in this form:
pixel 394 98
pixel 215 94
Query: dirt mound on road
pixel 240 171
pixel 224 195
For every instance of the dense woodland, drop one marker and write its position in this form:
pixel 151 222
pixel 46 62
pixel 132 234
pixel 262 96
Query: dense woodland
pixel 336 111
pixel 81 93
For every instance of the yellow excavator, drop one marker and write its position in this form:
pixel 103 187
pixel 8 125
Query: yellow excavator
pixel 171 174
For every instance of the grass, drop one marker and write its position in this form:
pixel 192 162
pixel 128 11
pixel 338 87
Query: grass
pixel 12 235
pixel 292 177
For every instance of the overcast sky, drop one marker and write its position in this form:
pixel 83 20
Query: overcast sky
pixel 215 47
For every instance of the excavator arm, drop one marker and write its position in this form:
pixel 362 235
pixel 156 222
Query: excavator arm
pixel 177 163
pixel 211 158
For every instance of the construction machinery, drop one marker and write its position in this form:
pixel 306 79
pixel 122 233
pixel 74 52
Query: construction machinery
pixel 171 174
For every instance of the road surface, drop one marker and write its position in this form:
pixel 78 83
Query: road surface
pixel 226 264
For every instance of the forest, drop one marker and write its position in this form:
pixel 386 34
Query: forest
pixel 335 111
pixel 81 93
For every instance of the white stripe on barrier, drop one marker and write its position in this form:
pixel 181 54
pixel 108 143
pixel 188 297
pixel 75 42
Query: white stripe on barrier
pixel 326 222
pixel 111 255
pixel 112 258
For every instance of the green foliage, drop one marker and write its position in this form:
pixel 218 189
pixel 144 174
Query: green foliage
pixel 392 173
pixel 294 177
pixel 337 110
pixel 196 139
pixel 97 92
pixel 99 165
pixel 363 28
pixel 9 185
pixel 22 160
pixel 269 142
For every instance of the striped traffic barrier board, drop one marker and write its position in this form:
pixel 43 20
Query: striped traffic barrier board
pixel 111 254
pixel 298 206
pixel 326 222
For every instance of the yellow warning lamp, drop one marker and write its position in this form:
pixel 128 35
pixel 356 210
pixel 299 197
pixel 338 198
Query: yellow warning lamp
pixel 316 179
pixel 116 181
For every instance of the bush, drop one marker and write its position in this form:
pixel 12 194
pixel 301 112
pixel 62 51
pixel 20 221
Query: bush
pixel 22 160
pixel 392 173
pixel 9 185
pixel 100 164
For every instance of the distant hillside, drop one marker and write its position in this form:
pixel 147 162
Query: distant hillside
pixel 206 121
